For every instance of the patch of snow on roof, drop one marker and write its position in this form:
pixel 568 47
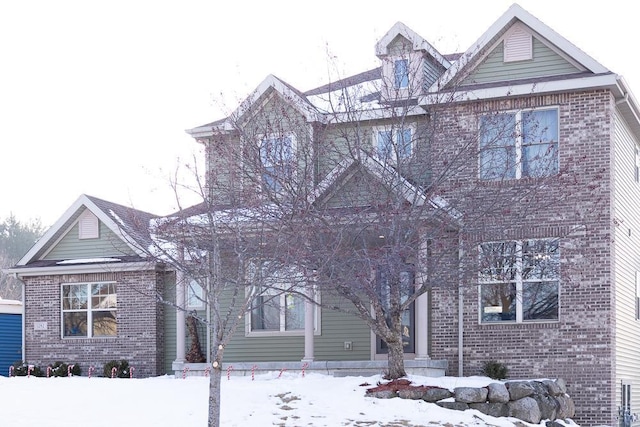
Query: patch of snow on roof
pixel 88 261
pixel 116 217
pixel 351 98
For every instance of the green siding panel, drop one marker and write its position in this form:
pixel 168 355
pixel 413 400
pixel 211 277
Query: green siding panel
pixel 545 62
pixel 107 245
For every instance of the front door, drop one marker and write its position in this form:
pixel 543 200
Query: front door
pixel 408 316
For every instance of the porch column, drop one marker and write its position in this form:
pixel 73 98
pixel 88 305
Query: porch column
pixel 422 305
pixel 180 316
pixel 309 325
pixel 422 327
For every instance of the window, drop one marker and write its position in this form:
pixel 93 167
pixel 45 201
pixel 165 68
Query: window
pixel 393 144
pixel 401 73
pixel 195 295
pixel 279 306
pixel 89 310
pixel 522 144
pixel 519 281
pixel 277 157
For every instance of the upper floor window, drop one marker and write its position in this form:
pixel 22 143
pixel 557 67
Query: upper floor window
pixel 89 310
pixel 393 144
pixel 522 144
pixel 401 73
pixel 519 280
pixel 277 158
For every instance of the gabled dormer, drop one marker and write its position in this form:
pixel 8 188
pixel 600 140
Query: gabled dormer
pixel 409 63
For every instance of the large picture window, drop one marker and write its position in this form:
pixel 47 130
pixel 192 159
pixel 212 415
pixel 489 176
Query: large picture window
pixel 279 305
pixel 89 310
pixel 522 144
pixel 277 158
pixel 519 281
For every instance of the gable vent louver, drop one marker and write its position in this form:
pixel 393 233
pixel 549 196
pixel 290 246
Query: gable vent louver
pixel 518 45
pixel 88 226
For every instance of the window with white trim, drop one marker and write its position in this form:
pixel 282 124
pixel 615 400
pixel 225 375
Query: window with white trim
pixel 393 143
pixel 89 310
pixel 519 281
pixel 279 305
pixel 521 144
pixel 277 156
pixel 195 295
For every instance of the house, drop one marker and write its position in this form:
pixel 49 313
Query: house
pixel 90 292
pixel 511 172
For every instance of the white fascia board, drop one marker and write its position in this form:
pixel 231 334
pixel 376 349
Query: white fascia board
pixel 375 114
pixel 301 104
pixel 591 82
pixel 513 13
pixel 81 269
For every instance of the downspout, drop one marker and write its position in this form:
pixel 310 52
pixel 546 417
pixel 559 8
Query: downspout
pixel 460 308
pixel 22 320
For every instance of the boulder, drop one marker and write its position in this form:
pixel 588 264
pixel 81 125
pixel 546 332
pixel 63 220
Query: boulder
pixel 493 409
pixel 435 394
pixel 525 409
pixel 562 384
pixel 553 388
pixel 548 406
pixel 519 390
pixel 457 406
pixel 498 393
pixel 566 407
pixel 383 394
pixel 415 393
pixel 470 394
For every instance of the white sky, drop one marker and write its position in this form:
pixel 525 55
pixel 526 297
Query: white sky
pixel 95 95
pixel 292 400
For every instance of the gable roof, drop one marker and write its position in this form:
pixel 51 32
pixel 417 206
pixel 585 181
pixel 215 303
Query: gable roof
pixel 417 42
pixel 288 93
pixel 515 13
pixel 411 193
pixel 128 224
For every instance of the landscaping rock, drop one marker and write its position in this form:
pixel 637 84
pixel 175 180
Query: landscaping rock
pixel 519 390
pixel 470 394
pixel 435 394
pixel 411 393
pixel 525 409
pixel 566 407
pixel 457 406
pixel 498 393
pixel 493 409
pixel 562 384
pixel 383 394
pixel 548 406
pixel 553 388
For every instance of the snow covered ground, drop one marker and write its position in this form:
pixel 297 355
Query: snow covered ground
pixel 291 400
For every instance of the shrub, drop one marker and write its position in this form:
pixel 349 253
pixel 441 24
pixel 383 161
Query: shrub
pixel 495 370
pixel 61 369
pixel 21 369
pixel 122 368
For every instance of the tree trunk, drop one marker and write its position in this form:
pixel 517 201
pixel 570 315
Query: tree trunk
pixel 396 359
pixel 214 396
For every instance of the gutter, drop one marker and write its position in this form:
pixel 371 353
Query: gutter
pixel 81 269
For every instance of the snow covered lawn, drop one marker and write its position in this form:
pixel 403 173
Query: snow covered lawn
pixel 292 400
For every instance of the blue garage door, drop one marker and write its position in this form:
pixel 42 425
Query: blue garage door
pixel 10 341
